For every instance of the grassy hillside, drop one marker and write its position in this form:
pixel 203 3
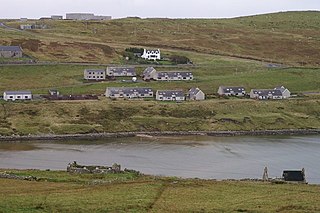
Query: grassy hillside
pixel 290 38
pixel 119 116
pixel 57 191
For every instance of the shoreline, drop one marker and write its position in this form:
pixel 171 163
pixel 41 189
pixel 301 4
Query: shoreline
pixel 89 136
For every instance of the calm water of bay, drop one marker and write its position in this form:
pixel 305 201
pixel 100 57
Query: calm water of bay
pixel 188 157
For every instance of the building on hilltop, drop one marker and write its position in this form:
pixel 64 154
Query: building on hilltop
pixel 10 52
pixel 56 17
pixel 86 16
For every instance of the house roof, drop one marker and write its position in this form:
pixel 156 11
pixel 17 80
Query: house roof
pixel 266 92
pixel 94 70
pixel 129 90
pixel 170 93
pixel 18 92
pixel 148 70
pixel 194 91
pixel 155 51
pixel 173 74
pixel 122 69
pixel 281 88
pixel 10 48
pixel 227 89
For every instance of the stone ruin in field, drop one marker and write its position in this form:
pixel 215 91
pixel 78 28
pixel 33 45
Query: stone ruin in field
pixel 82 169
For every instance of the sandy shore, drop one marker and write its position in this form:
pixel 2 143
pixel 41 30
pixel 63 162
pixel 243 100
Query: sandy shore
pixel 167 133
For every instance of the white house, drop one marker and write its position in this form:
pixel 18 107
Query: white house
pixel 285 92
pixel 17 95
pixel 196 94
pixel 149 73
pixel 151 54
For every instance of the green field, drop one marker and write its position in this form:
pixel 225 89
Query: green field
pixel 57 191
pixel 209 72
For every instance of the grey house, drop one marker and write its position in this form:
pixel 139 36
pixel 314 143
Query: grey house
pixel 195 94
pixel 174 76
pixel 129 92
pixel 231 91
pixel 94 74
pixel 86 16
pixel 121 71
pixel 56 17
pixel 149 73
pixel 10 52
pixel 170 95
pixel 264 94
pixel 285 92
pixel 17 95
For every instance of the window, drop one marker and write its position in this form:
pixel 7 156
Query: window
pixel 11 97
pixel 18 97
pixel 26 97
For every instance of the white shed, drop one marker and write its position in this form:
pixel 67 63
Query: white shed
pixel 17 95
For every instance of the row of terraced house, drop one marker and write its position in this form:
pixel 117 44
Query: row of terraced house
pixel 279 92
pixel 148 74
pixel 147 92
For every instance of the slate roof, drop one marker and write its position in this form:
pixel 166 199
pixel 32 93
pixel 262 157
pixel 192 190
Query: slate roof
pixel 120 70
pixel 18 92
pixel 10 48
pixel 95 70
pixel 170 93
pixel 148 70
pixel 193 91
pixel 266 92
pixel 129 90
pixel 155 51
pixel 173 74
pixel 281 88
pixel 226 89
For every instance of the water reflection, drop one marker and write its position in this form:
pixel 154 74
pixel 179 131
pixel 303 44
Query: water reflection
pixel 200 156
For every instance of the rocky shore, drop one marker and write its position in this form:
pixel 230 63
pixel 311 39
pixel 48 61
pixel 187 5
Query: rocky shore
pixel 159 134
